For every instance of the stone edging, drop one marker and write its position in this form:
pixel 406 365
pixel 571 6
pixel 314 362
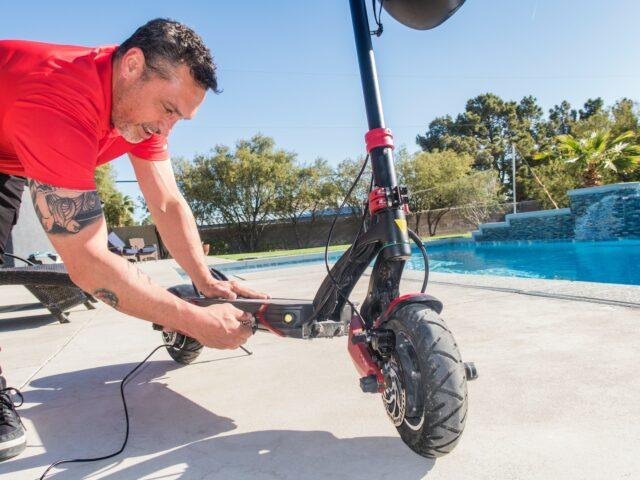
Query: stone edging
pixel 604 188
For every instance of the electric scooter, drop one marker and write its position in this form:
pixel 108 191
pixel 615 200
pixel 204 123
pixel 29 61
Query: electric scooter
pixel 399 344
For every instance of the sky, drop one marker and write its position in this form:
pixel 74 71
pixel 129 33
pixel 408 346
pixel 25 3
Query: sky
pixel 289 69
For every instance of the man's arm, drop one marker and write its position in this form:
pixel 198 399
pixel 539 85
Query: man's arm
pixel 178 229
pixel 75 225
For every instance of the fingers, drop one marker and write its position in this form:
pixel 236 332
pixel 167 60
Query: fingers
pixel 227 327
pixel 232 290
pixel 225 290
pixel 246 292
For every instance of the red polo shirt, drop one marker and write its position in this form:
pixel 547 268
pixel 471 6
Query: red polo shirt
pixel 55 114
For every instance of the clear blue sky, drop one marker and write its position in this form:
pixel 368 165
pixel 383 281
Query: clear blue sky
pixel 288 68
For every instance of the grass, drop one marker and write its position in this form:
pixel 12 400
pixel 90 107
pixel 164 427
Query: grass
pixel 301 251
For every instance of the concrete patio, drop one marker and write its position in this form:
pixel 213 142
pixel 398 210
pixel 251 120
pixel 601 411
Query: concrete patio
pixel 557 396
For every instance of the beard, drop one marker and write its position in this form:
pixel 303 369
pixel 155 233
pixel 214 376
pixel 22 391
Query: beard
pixel 122 107
pixel 130 132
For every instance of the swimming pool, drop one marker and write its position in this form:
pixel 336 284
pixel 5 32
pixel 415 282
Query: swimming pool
pixel 601 261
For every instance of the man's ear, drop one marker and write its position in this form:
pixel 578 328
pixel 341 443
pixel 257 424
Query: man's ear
pixel 132 64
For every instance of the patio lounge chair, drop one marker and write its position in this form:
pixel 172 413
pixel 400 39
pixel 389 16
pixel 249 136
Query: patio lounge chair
pixel 116 245
pixel 145 252
pixel 50 284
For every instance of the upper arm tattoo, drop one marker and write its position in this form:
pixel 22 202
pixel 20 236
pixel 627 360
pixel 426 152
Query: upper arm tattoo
pixel 62 210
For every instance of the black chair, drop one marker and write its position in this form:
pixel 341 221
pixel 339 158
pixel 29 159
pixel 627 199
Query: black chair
pixel 50 284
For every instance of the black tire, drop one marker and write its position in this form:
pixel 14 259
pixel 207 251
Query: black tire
pixel 182 349
pixel 426 348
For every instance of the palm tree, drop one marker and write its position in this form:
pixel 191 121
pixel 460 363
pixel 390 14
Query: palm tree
pixel 128 205
pixel 596 153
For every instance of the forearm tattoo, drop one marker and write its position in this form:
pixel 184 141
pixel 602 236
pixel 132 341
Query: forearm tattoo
pixel 107 296
pixel 62 210
pixel 140 274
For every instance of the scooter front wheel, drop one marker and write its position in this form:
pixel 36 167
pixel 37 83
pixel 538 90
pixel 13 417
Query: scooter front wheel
pixel 425 392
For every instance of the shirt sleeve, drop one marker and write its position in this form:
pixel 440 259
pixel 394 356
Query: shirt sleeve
pixel 55 144
pixel 154 148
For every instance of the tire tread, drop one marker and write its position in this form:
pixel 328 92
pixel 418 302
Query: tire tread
pixel 446 401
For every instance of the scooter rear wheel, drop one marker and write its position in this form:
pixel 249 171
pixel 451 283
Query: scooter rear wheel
pixel 182 349
pixel 425 385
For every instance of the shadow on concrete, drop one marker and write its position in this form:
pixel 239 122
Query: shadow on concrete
pixel 13 324
pixel 21 307
pixel 79 414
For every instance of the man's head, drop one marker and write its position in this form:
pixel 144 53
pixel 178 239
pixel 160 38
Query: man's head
pixel 160 75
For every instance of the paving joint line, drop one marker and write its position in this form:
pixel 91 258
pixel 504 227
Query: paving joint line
pixel 59 350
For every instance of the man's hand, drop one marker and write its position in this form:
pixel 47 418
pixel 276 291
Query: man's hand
pixel 221 326
pixel 230 290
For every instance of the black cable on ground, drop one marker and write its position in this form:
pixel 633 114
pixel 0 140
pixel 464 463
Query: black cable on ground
pixel 126 416
pixel 418 241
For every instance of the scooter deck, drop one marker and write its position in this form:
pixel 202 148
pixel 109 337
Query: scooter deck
pixel 285 317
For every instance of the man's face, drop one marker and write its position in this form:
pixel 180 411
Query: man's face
pixel 145 103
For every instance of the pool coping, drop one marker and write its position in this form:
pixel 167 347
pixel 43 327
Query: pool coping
pixel 593 292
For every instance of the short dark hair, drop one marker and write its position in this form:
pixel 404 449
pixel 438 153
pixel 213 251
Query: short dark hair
pixel 163 41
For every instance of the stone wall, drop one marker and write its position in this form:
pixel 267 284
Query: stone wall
pixel 610 211
pixel 599 213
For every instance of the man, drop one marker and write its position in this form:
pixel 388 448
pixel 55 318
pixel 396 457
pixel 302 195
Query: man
pixel 65 110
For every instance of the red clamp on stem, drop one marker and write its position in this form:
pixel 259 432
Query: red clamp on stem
pixel 377 199
pixel 378 137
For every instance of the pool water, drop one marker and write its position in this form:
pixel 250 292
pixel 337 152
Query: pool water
pixel 601 261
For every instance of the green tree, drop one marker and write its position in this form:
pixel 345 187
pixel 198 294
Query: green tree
pixel 345 174
pixel 624 117
pixel 592 106
pixel 562 118
pixel 592 117
pixel 305 191
pixel 147 219
pixel 434 181
pixel 479 196
pixel 596 154
pixel 118 209
pixel 239 188
pixel 548 182
pixel 194 188
pixel 486 130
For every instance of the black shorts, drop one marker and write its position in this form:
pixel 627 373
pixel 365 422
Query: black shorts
pixel 11 188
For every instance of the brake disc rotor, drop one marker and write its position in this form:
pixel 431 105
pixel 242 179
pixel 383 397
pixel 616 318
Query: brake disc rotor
pixel 393 397
pixel 402 394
